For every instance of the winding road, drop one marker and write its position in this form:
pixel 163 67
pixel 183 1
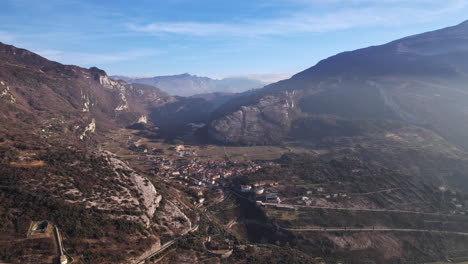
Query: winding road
pixel 168 244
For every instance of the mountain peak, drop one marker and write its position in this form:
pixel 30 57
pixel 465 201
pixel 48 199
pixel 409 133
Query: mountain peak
pixel 97 73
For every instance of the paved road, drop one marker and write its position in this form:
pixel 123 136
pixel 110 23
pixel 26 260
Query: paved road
pixel 370 229
pixel 381 191
pixel 288 206
pixel 352 209
pixel 172 242
pixel 353 194
pixel 168 244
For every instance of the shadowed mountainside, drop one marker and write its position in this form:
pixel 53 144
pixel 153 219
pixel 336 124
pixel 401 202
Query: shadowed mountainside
pixel 420 80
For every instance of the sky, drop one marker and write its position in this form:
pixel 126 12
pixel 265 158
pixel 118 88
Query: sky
pixel 261 39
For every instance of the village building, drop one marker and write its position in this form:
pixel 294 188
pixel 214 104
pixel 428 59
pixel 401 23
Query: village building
pixel 179 148
pixel 259 190
pixel 272 198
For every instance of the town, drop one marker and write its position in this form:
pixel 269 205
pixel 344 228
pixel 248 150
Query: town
pixel 182 164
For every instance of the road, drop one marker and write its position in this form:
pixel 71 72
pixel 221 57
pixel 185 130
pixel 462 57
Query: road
pixel 381 191
pixel 62 255
pixel 353 194
pixel 352 209
pixel 172 242
pixel 343 208
pixel 370 229
pixel 168 244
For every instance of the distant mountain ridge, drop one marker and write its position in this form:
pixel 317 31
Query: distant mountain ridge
pixel 40 98
pixel 188 85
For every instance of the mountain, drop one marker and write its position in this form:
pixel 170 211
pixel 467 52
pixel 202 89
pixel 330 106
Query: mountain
pixel 420 80
pixel 52 100
pixel 64 104
pixel 188 85
pixel 382 127
pixel 372 139
pixel 52 117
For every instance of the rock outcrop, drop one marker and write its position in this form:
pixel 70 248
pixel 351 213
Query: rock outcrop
pixel 267 121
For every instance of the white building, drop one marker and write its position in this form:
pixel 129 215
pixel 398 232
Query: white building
pixel 259 190
pixel 272 198
pixel 246 188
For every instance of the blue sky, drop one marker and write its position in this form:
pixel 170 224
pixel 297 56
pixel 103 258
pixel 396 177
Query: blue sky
pixel 268 39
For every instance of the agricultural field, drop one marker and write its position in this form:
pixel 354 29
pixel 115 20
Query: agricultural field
pixel 118 141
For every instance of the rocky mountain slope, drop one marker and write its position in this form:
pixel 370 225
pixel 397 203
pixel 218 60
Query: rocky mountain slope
pixel 188 85
pixel 420 80
pixel 51 117
pixel 51 99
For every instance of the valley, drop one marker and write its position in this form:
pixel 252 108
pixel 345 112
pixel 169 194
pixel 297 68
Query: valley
pixel 336 208
pixel 350 161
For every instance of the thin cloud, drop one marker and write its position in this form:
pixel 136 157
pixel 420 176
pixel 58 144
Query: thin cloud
pixel 269 77
pixel 89 59
pixel 380 14
pixel 7 37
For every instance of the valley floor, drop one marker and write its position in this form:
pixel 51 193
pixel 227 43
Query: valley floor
pixel 236 226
